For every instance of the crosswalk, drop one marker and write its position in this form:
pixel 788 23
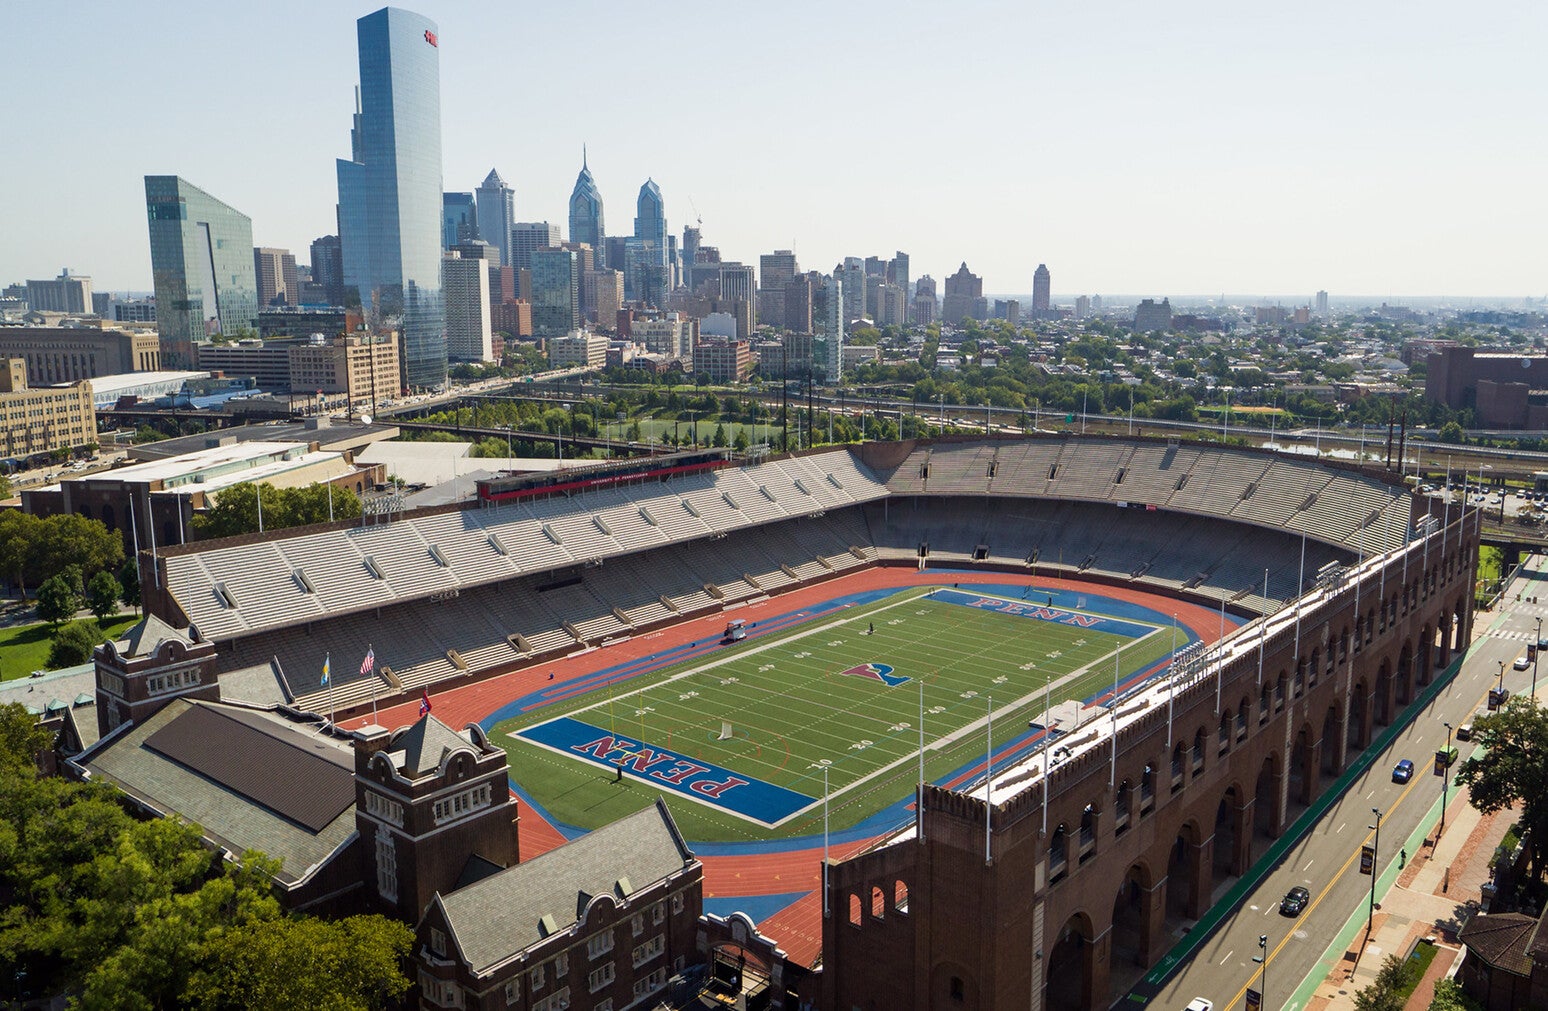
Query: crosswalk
pixel 1513 636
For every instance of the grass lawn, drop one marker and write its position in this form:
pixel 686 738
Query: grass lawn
pixel 24 648
pixel 796 707
pixel 1414 969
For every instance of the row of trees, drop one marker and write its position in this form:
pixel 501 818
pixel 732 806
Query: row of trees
pixel 244 508
pixel 123 913
pixel 34 548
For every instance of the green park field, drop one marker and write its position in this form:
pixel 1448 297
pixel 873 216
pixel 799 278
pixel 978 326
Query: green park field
pixel 830 693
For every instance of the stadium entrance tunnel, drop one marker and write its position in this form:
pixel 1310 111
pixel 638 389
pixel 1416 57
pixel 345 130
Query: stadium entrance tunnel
pixel 1137 923
pixel 1268 817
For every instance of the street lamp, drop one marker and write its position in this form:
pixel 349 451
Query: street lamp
pixel 1501 689
pixel 1537 648
pixel 1445 780
pixel 1370 919
pixel 1263 972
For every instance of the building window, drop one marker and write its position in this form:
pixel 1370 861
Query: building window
pixel 459 804
pixel 535 979
pixel 649 950
pixel 561 965
pixel 601 976
pixel 381 807
pixel 438 942
pixel 559 1000
pixel 386 867
pixel 599 944
pixel 658 913
pixel 677 903
pixel 512 992
pixel 650 984
pixel 636 924
pixel 604 1005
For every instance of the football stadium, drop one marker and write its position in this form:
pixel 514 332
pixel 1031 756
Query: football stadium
pixel 963 669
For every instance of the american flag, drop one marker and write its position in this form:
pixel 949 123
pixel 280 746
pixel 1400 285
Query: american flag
pixel 369 663
pixel 424 702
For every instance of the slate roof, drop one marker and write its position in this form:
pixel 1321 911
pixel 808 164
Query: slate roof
pixel 143 638
pixel 495 918
pixel 261 684
pixel 36 693
pixel 227 816
pixel 425 743
pixel 1500 939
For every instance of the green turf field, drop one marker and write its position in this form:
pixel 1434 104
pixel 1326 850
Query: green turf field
pixel 792 714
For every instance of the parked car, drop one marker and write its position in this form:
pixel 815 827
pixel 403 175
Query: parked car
pixel 1294 902
pixel 1200 1004
pixel 1403 771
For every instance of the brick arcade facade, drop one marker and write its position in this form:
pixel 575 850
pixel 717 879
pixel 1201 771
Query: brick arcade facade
pixel 1074 902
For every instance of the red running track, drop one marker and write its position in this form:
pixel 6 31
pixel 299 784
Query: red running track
pixel 798 926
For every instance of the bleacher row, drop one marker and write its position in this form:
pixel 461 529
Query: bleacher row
pixel 1219 561
pixel 227 592
pixel 1268 490
pixel 422 642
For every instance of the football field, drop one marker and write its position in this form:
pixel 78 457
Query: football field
pixel 739 738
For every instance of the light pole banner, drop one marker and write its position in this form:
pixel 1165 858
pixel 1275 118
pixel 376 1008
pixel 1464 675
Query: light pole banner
pixel 1367 859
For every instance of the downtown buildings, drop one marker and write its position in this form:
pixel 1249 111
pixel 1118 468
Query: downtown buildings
pixel 390 200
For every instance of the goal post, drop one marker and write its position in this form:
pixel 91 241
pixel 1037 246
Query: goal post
pixel 725 730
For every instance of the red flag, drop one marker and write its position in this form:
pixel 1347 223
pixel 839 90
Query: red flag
pixel 424 702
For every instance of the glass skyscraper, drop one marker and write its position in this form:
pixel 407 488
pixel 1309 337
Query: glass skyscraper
pixel 586 214
pixel 390 198
pixel 201 264
pixel 459 219
pixel 555 292
pixel 650 217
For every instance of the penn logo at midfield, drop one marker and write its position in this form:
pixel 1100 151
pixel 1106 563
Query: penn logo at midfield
pixel 876 672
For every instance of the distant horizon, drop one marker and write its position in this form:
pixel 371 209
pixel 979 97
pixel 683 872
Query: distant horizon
pixel 1142 149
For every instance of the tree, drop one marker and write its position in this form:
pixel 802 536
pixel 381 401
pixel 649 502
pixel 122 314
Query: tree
pixel 102 594
pixel 1511 767
pixel 1451 432
pixel 5 486
pixel 299 963
pixel 74 643
pixel 1449 997
pixel 129 579
pixel 73 540
pixel 58 600
pixel 719 439
pixel 19 536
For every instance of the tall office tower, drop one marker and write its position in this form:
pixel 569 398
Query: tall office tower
pixel 1041 283
pixel 1322 303
pixel 775 271
pixel 66 293
pixel 586 214
pixel 798 304
pixel 202 267
pixel 613 251
pixel 645 272
pixel 897 270
pixel 875 266
pixel 390 202
pixel 964 289
pixel 1082 307
pixel 465 283
pixel 650 220
pixel 692 239
pixel 852 273
pixel 833 327
pixel 585 261
pixel 328 268
pixel 459 219
pixel 603 290
pixel 496 214
pixel 738 294
pixel 527 237
pixel 275 272
pixel 555 292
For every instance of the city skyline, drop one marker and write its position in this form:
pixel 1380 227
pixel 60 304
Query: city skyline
pixel 1134 150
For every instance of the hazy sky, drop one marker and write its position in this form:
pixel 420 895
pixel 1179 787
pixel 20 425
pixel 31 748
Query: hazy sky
pixel 1162 148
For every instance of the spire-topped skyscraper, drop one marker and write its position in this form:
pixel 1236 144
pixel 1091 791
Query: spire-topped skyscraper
pixel 390 199
pixel 496 214
pixel 586 213
pixel 650 217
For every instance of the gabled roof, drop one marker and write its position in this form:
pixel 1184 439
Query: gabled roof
pixel 425 743
pixel 1500 939
pixel 143 638
pixel 501 915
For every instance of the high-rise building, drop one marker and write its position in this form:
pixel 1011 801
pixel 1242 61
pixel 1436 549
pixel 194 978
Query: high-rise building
pixel 555 292
pixel 650 223
pixel 798 304
pixel 201 264
pixel 897 270
pixel 328 268
pixel 1151 316
pixel 891 305
pixel 68 292
pixel 465 278
pixel 459 219
pixel 527 237
pixel 1041 283
pixel 274 270
pixel 42 421
pixel 603 291
pixel 775 271
pixel 1322 303
pixel 1082 307
pixel 646 276
pixel 852 273
pixel 390 197
pixel 875 266
pixel 737 285
pixel 496 214
pixel 1008 310
pixel 586 214
pixel 833 328
pixel 964 289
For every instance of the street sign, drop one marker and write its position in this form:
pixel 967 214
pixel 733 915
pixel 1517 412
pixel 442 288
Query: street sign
pixel 1254 999
pixel 1367 859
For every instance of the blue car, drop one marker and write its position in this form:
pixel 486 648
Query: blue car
pixel 1403 771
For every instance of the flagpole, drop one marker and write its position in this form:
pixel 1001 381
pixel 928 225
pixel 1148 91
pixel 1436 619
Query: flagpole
pixel 1047 735
pixel 1172 682
pixel 988 777
pixel 824 842
pixel 328 673
pixel 371 652
pixel 1112 775
pixel 919 807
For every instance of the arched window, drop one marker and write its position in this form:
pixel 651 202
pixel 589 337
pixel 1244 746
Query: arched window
pixel 878 903
pixel 854 910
